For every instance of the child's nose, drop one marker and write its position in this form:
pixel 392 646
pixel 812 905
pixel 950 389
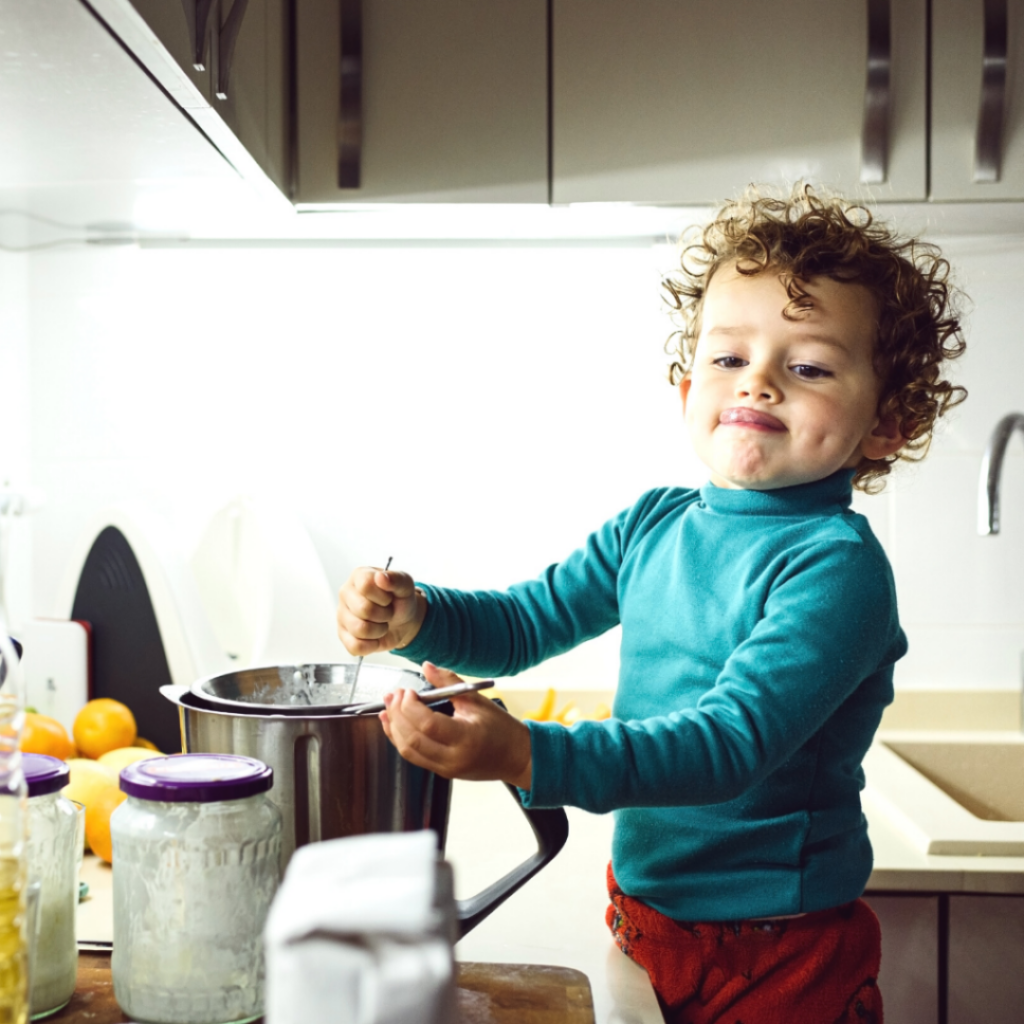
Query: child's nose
pixel 758 384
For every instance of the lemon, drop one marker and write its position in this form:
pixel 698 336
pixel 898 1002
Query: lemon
pixel 90 781
pixel 123 756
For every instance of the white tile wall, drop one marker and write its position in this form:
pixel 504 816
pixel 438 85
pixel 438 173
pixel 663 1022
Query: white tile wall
pixel 473 412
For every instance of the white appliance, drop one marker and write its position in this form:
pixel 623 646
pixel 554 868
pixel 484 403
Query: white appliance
pixel 253 592
pixel 56 667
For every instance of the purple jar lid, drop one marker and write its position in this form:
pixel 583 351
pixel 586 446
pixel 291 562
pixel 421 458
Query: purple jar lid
pixel 44 774
pixel 196 778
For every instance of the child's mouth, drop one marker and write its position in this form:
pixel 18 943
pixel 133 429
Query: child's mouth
pixel 743 417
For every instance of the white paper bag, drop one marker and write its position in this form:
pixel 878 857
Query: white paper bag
pixel 361 932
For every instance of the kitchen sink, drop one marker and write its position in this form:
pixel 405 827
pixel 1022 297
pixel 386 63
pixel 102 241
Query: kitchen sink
pixel 985 778
pixel 952 796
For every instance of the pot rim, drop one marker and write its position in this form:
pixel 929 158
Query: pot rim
pixel 207 701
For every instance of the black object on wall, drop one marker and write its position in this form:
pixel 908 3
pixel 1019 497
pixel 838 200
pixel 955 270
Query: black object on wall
pixel 128 659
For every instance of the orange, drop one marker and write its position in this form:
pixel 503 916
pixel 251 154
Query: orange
pixel 45 735
pixel 97 821
pixel 146 744
pixel 102 725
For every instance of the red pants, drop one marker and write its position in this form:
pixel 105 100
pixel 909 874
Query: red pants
pixel 821 968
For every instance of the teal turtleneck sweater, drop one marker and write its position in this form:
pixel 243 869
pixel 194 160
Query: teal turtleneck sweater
pixel 759 633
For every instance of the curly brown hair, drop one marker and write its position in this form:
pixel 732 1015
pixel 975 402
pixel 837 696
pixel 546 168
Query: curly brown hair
pixel 809 234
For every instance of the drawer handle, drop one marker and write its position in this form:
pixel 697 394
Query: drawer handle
pixel 227 38
pixel 197 16
pixel 350 112
pixel 988 140
pixel 874 159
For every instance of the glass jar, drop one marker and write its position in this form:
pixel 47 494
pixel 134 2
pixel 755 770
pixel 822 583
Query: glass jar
pixel 54 857
pixel 197 850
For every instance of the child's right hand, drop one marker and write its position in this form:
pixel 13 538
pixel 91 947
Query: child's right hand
pixel 379 610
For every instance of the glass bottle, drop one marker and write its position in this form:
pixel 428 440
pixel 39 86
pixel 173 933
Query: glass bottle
pixel 13 835
pixel 54 857
pixel 197 849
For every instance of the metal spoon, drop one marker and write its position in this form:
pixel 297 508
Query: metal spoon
pixel 359 660
pixel 427 696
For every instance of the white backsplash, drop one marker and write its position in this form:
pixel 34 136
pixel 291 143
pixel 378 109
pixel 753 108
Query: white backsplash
pixel 472 411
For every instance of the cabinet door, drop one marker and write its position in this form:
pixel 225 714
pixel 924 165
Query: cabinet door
pixel 986 952
pixel 958 45
pixel 454 101
pixel 665 101
pixel 909 976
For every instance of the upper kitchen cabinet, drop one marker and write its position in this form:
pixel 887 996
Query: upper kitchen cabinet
pixel 227 64
pixel 668 102
pixel 977 99
pixel 401 100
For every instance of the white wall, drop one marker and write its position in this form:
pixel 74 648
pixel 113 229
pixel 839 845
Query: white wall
pixel 960 601
pixel 15 447
pixel 473 412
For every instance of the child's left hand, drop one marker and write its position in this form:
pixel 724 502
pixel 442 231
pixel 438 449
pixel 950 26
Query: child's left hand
pixel 479 741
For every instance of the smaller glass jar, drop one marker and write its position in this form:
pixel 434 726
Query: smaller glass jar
pixel 197 850
pixel 54 858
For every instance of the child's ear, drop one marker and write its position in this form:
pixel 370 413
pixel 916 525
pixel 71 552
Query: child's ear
pixel 885 438
pixel 684 390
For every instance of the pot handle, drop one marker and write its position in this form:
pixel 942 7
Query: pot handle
pixel 551 829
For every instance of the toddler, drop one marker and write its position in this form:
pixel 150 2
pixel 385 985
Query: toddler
pixel 759 621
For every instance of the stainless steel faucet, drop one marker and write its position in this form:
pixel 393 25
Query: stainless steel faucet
pixel 992 470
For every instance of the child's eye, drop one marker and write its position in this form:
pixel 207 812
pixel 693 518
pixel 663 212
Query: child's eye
pixel 810 372
pixel 729 362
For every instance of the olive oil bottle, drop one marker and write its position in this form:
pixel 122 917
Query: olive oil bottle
pixel 13 945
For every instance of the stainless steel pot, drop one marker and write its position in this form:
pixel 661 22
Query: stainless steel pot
pixel 335 774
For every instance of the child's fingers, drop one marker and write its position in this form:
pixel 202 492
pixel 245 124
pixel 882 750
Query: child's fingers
pixel 359 626
pixel 439 677
pixel 370 606
pixel 391 584
pixel 411 732
pixel 406 708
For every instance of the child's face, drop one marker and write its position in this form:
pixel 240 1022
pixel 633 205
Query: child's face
pixel 772 402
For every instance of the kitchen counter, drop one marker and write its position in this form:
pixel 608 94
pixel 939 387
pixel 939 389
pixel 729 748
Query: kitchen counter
pixel 556 919
pixel 901 867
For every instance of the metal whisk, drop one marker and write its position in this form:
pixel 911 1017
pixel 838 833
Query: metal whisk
pixel 359 660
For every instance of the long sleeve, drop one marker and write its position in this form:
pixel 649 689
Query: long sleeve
pixel 829 622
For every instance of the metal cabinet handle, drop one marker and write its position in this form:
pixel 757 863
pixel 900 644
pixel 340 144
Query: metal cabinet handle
pixel 988 140
pixel 874 161
pixel 227 38
pixel 350 111
pixel 197 16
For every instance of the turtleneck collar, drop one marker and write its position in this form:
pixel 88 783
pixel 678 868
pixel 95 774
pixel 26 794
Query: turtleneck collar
pixel 833 493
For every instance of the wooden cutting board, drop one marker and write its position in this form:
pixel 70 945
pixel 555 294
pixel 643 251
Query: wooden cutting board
pixel 523 994
pixel 487 994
